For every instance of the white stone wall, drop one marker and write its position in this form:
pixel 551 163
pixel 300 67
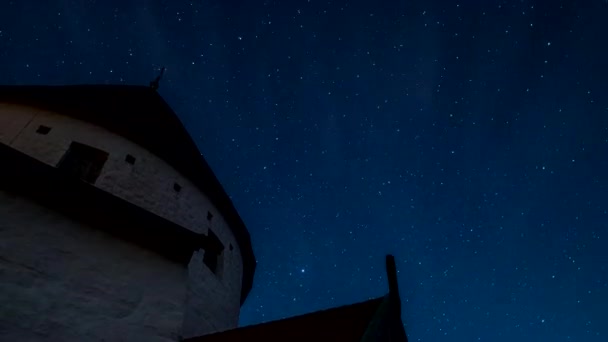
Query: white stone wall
pixel 62 281
pixel 147 183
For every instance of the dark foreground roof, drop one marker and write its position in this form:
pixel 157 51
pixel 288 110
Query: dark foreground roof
pixel 375 320
pixel 345 323
pixel 139 114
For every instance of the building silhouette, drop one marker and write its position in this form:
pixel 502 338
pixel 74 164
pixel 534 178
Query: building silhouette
pixel 114 228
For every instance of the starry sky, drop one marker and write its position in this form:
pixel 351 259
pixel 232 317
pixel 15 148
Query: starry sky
pixel 469 139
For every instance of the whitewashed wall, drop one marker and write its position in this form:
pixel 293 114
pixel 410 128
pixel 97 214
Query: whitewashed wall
pixel 62 281
pixel 212 300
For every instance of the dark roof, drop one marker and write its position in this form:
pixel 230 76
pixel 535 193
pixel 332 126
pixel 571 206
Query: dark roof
pixel 344 323
pixel 140 114
pixel 377 320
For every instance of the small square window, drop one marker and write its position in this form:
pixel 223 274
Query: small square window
pixel 177 187
pixel 130 159
pixel 44 130
pixel 230 246
pixel 209 216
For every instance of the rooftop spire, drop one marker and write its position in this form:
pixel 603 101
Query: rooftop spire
pixel 154 84
pixel 391 272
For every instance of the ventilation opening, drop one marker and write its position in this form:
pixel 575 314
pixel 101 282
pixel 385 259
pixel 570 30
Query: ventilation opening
pixel 209 216
pixel 44 130
pixel 130 159
pixel 177 187
pixel 83 162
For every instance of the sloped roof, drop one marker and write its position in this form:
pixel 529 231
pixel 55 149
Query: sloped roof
pixel 374 320
pixel 139 114
pixel 344 323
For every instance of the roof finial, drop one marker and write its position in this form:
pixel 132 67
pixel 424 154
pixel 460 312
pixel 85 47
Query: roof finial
pixel 154 84
pixel 391 272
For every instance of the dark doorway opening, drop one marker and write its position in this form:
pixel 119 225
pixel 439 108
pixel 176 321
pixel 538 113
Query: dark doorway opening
pixel 213 254
pixel 83 162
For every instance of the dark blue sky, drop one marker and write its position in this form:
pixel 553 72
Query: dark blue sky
pixel 467 138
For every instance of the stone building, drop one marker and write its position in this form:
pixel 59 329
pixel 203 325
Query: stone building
pixel 114 228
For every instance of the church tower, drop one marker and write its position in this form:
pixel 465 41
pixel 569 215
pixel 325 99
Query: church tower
pixel 112 225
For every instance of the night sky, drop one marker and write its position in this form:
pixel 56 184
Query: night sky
pixel 468 139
